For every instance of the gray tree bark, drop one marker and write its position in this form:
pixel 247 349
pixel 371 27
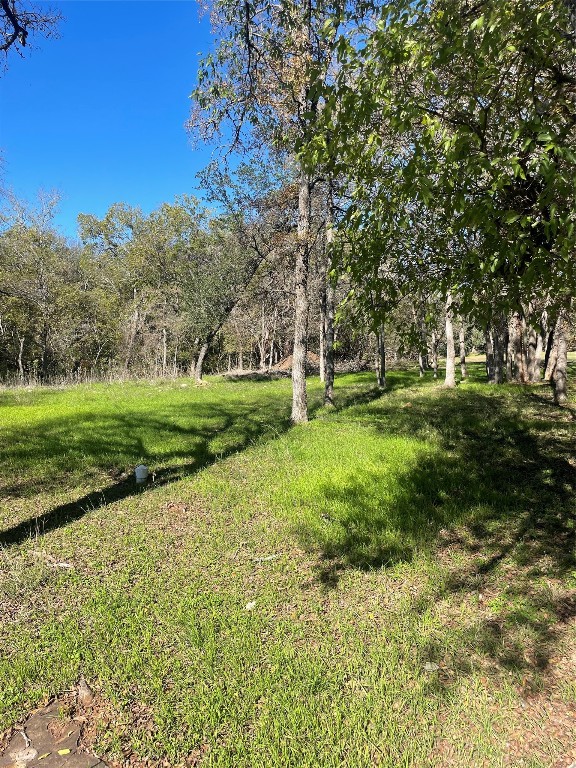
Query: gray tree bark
pixel 20 356
pixel 381 360
pixel 329 350
pixel 434 346
pixel 559 377
pixel 489 355
pixel 450 379
pixel 534 355
pixel 198 368
pixel 330 308
pixel 299 394
pixel 462 341
pixel 499 342
pixel 323 331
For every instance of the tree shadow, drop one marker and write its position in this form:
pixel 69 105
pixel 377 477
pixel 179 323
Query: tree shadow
pixel 179 441
pixel 497 489
pixel 219 432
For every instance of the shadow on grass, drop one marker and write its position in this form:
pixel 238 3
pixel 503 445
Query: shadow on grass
pixel 497 490
pixel 179 441
pixel 218 433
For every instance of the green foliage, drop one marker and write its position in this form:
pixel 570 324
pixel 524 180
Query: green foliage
pixel 455 128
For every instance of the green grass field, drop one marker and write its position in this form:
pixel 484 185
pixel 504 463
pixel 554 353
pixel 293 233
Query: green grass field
pixel 392 584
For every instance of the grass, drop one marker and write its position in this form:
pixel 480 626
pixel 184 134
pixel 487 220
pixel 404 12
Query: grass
pixel 391 584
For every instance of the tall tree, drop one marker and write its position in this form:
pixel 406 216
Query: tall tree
pixel 464 112
pixel 263 82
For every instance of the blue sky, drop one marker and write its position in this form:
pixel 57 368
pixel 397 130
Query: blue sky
pixel 98 114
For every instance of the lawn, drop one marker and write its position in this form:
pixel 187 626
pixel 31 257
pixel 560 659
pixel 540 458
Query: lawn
pixel 392 584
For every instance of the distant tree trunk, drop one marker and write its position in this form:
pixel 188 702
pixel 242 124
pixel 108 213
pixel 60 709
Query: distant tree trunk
pixel 534 355
pixel 330 302
pixel 20 356
pixel 45 352
pixel 131 337
pixel 175 360
pixel 262 341
pixel 499 345
pixel 381 359
pixel 423 344
pixel 421 330
pixel 322 352
pixel 450 380
pixel 329 349
pixel 434 348
pixel 489 355
pixel 517 329
pixel 272 341
pixel 299 395
pixel 558 378
pixel 551 354
pixel 199 367
pixel 509 357
pixel 462 341
pixel 164 353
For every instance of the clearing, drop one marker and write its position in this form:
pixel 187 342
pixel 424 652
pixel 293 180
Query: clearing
pixel 392 584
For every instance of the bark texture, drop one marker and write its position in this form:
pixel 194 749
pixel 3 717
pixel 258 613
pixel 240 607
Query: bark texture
pixel 462 340
pixel 299 394
pixel 330 304
pixel 559 378
pixel 381 363
pixel 450 380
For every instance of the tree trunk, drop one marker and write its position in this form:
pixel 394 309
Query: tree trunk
pixel 299 394
pixel 450 380
pixel 434 348
pixel 517 328
pixel 323 331
pixel 164 353
pixel 462 341
pixel 20 356
pixel 131 337
pixel 499 345
pixel 198 368
pixel 420 328
pixel 45 354
pixel 329 349
pixel 558 378
pixel 534 355
pixel 330 298
pixel 423 344
pixel 272 341
pixel 381 361
pixel 509 357
pixel 489 356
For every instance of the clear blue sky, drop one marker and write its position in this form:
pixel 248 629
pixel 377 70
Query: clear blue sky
pixel 98 114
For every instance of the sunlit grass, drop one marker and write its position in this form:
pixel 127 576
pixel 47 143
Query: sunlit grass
pixel 385 585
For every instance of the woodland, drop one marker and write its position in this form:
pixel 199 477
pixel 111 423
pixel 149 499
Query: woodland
pixel 356 548
pixel 402 184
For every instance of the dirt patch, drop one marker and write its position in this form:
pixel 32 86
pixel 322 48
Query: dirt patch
pixel 312 361
pixel 51 737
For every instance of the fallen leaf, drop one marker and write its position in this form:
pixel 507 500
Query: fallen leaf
pixel 63 751
pixel 41 757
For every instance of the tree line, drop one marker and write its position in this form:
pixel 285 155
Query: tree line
pixel 406 187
